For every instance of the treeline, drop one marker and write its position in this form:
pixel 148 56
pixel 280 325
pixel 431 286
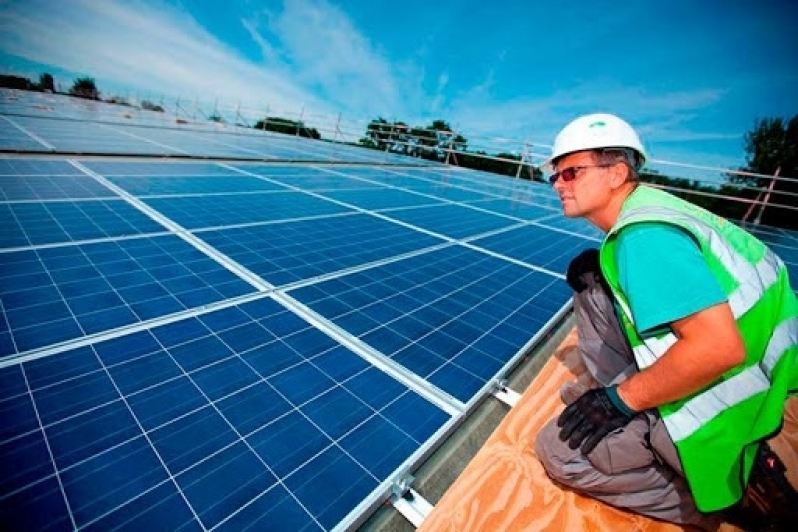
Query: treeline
pixel 46 83
pixel 438 142
pixel 84 87
pixel 278 124
pixel 771 148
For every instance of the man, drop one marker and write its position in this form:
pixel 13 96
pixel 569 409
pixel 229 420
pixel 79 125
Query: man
pixel 688 327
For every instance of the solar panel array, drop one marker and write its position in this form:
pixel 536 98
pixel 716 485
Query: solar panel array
pixel 223 345
pixel 231 345
pixel 33 122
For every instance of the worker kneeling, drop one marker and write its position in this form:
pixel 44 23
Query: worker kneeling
pixel 688 329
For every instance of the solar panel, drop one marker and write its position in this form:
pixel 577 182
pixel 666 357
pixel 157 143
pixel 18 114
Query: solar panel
pixel 56 294
pixel 71 221
pixel 124 134
pixel 454 315
pixel 246 415
pixel 292 251
pixel 198 345
pixel 189 344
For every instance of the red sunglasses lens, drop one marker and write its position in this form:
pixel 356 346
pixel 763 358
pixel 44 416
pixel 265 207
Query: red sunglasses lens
pixel 567 174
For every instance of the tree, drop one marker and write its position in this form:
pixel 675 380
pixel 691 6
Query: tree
pixel 46 82
pixel 85 88
pixel 149 106
pixel 382 135
pixel 773 145
pixel 434 140
pixel 425 142
pixel 15 82
pixel 288 127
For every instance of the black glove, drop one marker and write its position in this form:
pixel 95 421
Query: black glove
pixel 590 418
pixel 584 267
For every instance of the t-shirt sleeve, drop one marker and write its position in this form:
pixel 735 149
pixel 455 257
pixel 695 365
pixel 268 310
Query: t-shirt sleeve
pixel 664 274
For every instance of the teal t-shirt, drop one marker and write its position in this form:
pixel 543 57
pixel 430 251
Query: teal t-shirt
pixel 664 275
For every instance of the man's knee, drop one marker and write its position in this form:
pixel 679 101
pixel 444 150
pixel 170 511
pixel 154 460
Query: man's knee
pixel 561 463
pixel 618 453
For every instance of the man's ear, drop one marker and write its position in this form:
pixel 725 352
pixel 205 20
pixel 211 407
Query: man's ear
pixel 619 174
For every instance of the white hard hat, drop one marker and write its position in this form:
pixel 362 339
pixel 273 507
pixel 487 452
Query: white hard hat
pixel 596 131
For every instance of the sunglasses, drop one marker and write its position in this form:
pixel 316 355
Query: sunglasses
pixel 572 172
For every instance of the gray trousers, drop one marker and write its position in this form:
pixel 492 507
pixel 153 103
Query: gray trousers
pixel 637 467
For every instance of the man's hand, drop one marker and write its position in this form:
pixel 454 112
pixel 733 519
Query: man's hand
pixel 590 418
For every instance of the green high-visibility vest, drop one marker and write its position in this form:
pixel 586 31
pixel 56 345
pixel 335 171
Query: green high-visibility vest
pixel 717 429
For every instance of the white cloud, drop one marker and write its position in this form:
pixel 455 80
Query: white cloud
pixel 315 59
pixel 147 47
pixel 660 117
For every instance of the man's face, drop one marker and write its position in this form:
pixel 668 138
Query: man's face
pixel 589 191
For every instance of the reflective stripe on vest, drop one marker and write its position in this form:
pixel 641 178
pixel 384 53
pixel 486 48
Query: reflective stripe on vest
pixel 705 406
pixel 752 282
pixel 784 336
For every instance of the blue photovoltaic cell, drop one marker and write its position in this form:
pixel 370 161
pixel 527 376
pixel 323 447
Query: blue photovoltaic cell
pixel 498 186
pixel 247 417
pixel 68 221
pixel 773 236
pixel 537 246
pixel 15 188
pixel 322 181
pixel 88 137
pixel 286 252
pixel 377 199
pixel 453 221
pixel 217 211
pixel 36 167
pixel 289 172
pixel 516 208
pixel 411 179
pixel 454 316
pixel 14 139
pixel 452 193
pixel 180 185
pixel 578 226
pixel 56 294
pixel 144 169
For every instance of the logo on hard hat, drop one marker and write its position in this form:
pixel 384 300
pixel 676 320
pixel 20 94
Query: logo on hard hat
pixel 598 123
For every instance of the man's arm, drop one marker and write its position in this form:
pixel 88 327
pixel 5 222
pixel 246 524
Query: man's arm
pixel 709 344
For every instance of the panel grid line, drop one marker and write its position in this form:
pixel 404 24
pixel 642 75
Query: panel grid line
pixel 234 267
pixel 132 135
pixel 432 393
pixel 152 447
pixel 49 449
pixel 32 135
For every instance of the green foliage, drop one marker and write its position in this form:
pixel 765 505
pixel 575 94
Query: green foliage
pixel 85 88
pixel 149 106
pixel 16 82
pixel 46 82
pixel 288 127
pixel 773 145
pixel 383 135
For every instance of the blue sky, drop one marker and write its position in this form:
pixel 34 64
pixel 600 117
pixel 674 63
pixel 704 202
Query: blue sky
pixel 691 76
